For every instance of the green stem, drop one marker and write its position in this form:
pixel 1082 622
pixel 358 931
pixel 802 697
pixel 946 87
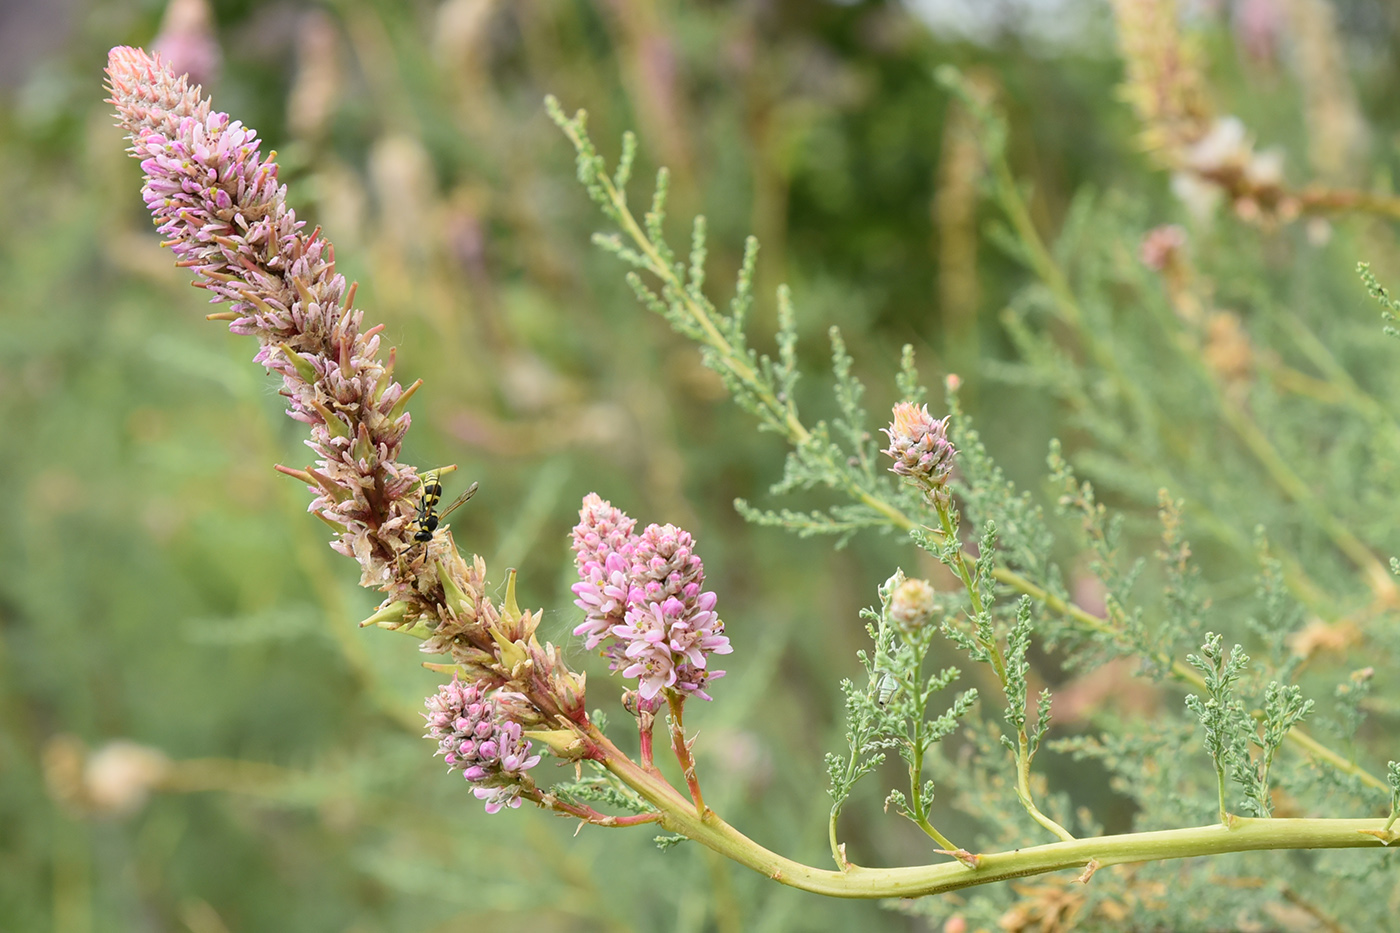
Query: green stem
pixel 1265 804
pixel 919 747
pixel 678 815
pixel 960 567
pixel 916 800
pixel 1220 787
pixel 998 662
pixel 929 830
pixel 837 855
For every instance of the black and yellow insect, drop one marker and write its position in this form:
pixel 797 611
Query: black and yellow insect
pixel 428 516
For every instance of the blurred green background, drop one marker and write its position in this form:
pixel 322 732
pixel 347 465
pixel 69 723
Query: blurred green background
pixel 161 585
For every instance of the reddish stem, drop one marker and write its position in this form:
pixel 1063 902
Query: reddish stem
pixel 646 721
pixel 591 816
pixel 682 750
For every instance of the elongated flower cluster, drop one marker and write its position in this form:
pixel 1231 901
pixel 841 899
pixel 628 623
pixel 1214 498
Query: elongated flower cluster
pixel 919 446
pixel 474 738
pixel 1165 81
pixel 644 601
pixel 218 203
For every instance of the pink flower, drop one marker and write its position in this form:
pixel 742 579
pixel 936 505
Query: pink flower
pixel 602 593
pixel 919 445
pixel 643 601
pixel 474 738
pixel 1162 247
pixel 601 530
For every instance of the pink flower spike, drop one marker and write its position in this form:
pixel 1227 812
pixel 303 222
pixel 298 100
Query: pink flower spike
pixel 220 206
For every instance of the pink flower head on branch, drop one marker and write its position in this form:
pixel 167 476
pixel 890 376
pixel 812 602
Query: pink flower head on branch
pixel 473 737
pixel 920 447
pixel 643 601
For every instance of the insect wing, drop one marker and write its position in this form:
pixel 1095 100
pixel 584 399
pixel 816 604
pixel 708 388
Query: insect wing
pixel 471 491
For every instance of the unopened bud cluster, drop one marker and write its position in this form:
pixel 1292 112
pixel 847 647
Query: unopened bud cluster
pixel 475 738
pixel 912 603
pixel 644 601
pixel 920 447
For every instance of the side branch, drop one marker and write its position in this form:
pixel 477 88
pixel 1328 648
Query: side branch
pixel 784 420
pixel 1242 835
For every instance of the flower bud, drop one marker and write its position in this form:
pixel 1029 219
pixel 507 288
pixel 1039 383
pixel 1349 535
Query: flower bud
pixel 475 738
pixel 911 604
pixel 919 446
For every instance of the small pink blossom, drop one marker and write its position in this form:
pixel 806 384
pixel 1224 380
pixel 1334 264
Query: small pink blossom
pixel 474 738
pixel 602 529
pixel 602 593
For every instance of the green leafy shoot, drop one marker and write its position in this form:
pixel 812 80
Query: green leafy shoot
pixel 840 456
pixel 669 841
pixel 892 711
pixel 1390 308
pixel 1017 667
pixel 1392 777
pixel 1126 632
pixel 1284 707
pixel 979 637
pixel 1222 715
pixel 602 787
pixel 1349 712
pixel 1281 615
pixel 987 496
pixel 1184 602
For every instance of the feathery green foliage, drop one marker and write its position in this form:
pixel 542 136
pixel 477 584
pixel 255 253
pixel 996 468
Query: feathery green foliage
pixel 889 710
pixel 1228 461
